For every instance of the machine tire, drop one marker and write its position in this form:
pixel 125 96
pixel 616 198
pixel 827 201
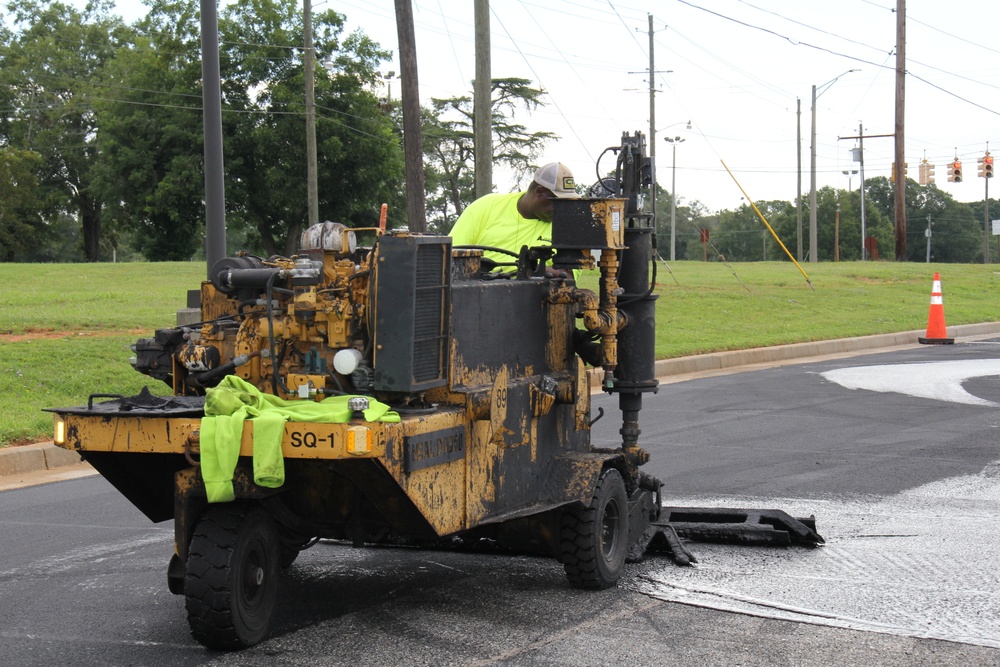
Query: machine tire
pixel 231 585
pixel 593 541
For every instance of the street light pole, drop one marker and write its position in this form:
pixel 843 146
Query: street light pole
pixel 673 196
pixel 816 92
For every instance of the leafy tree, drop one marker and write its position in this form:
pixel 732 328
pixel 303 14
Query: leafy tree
pixel 52 69
pixel 151 135
pixel 957 230
pixel 689 219
pixel 742 237
pixel 20 223
pixel 449 153
pixel 360 163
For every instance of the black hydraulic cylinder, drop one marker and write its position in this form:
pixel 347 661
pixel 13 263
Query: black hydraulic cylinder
pixel 636 371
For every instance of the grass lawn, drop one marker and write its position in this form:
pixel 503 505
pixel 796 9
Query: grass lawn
pixel 65 329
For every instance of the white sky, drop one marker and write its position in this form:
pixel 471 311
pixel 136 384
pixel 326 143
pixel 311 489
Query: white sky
pixel 736 79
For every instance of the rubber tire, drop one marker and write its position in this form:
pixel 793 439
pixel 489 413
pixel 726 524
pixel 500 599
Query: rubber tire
pixel 231 584
pixel 593 541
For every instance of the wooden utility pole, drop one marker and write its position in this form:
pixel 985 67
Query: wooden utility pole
pixel 900 190
pixel 211 91
pixel 652 124
pixel 416 212
pixel 482 123
pixel 309 60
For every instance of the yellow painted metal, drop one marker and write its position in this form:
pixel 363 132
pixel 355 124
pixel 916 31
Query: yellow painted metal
pixel 302 440
pixel 440 492
pixel 610 213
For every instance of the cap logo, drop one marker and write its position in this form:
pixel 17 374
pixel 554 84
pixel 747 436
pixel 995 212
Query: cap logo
pixel 568 183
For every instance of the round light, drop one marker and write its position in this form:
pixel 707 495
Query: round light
pixel 346 361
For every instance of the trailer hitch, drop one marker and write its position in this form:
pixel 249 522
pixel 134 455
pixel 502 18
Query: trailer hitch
pixel 749 527
pixel 741 526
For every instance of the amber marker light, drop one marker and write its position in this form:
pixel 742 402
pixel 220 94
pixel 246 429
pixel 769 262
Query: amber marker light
pixel 59 434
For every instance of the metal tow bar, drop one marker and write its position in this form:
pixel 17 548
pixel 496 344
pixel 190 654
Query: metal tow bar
pixel 730 526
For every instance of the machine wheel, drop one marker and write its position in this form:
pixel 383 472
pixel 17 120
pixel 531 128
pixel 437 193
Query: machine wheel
pixel 593 541
pixel 231 585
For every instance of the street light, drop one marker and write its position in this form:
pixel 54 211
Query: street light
pixel 849 173
pixel 816 92
pixel 673 141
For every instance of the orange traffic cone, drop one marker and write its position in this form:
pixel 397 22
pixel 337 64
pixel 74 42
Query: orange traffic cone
pixel 937 334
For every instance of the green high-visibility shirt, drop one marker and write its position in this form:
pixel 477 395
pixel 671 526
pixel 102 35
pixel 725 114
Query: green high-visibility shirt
pixel 493 220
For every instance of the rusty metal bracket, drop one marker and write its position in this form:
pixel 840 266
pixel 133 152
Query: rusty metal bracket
pixel 192 447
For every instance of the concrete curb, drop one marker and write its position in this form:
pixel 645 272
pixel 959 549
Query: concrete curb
pixel 47 456
pixel 34 458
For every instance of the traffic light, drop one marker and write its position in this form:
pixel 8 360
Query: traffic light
pixel 955 171
pixel 926 175
pixel 892 175
pixel 988 166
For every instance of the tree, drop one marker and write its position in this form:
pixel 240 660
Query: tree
pixel 742 237
pixel 957 230
pixel 20 223
pixel 449 153
pixel 53 67
pixel 151 135
pixel 360 163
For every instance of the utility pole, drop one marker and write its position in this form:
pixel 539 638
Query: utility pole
pixel 900 189
pixel 986 221
pixel 310 70
pixel 211 96
pixel 652 123
pixel 928 235
pixel 798 196
pixel 652 119
pixel 861 155
pixel 861 168
pixel 416 212
pixel 482 123
pixel 836 233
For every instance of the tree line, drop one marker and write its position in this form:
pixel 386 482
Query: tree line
pixel 101 143
pixel 101 131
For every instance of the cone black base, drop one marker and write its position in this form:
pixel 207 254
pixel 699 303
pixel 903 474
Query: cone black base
pixel 936 341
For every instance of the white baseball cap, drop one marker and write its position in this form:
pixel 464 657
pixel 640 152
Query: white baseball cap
pixel 556 177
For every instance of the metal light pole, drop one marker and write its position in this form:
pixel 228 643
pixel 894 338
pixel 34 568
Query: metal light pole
pixel 816 92
pixel 673 141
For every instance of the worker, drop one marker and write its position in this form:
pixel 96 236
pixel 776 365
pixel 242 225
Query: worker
pixel 510 221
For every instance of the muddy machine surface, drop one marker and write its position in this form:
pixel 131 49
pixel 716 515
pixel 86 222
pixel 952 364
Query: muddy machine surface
pixel 402 393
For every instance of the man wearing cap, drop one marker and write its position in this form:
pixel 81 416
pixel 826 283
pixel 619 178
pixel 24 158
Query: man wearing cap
pixel 510 221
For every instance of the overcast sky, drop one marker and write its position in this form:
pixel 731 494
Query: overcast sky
pixel 735 69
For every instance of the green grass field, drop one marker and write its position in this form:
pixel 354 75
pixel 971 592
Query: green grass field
pixel 65 330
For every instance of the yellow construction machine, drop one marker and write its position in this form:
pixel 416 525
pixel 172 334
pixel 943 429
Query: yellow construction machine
pixel 396 394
